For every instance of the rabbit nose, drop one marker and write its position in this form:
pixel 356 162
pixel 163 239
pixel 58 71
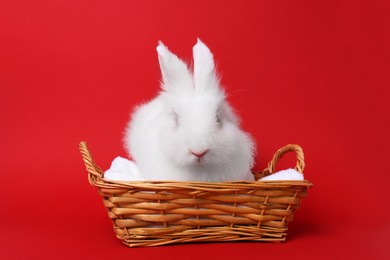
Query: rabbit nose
pixel 199 154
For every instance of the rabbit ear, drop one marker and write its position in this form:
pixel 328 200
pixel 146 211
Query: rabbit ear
pixel 176 78
pixel 204 67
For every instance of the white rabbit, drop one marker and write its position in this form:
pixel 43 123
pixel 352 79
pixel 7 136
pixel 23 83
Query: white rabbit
pixel 189 132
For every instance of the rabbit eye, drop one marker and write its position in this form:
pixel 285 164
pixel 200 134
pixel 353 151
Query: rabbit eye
pixel 175 118
pixel 218 118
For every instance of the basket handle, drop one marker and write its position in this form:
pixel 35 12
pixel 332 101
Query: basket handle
pixel 95 173
pixel 282 151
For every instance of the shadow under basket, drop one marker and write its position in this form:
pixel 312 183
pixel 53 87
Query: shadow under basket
pixel 153 213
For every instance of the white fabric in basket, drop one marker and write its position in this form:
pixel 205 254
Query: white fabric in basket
pixel 284 175
pixel 123 170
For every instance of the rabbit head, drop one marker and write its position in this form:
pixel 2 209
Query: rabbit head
pixel 189 130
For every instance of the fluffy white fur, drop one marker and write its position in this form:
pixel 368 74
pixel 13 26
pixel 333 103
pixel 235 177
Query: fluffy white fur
pixel 190 115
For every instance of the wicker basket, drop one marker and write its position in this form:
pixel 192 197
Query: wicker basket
pixel 150 213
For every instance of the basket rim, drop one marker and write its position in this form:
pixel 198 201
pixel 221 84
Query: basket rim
pixel 204 185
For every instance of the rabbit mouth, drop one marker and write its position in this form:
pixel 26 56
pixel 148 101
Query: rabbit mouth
pixel 198 161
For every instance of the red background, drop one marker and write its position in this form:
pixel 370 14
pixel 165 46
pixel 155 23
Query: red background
pixel 308 72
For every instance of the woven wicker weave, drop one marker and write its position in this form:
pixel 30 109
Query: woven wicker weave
pixel 150 213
